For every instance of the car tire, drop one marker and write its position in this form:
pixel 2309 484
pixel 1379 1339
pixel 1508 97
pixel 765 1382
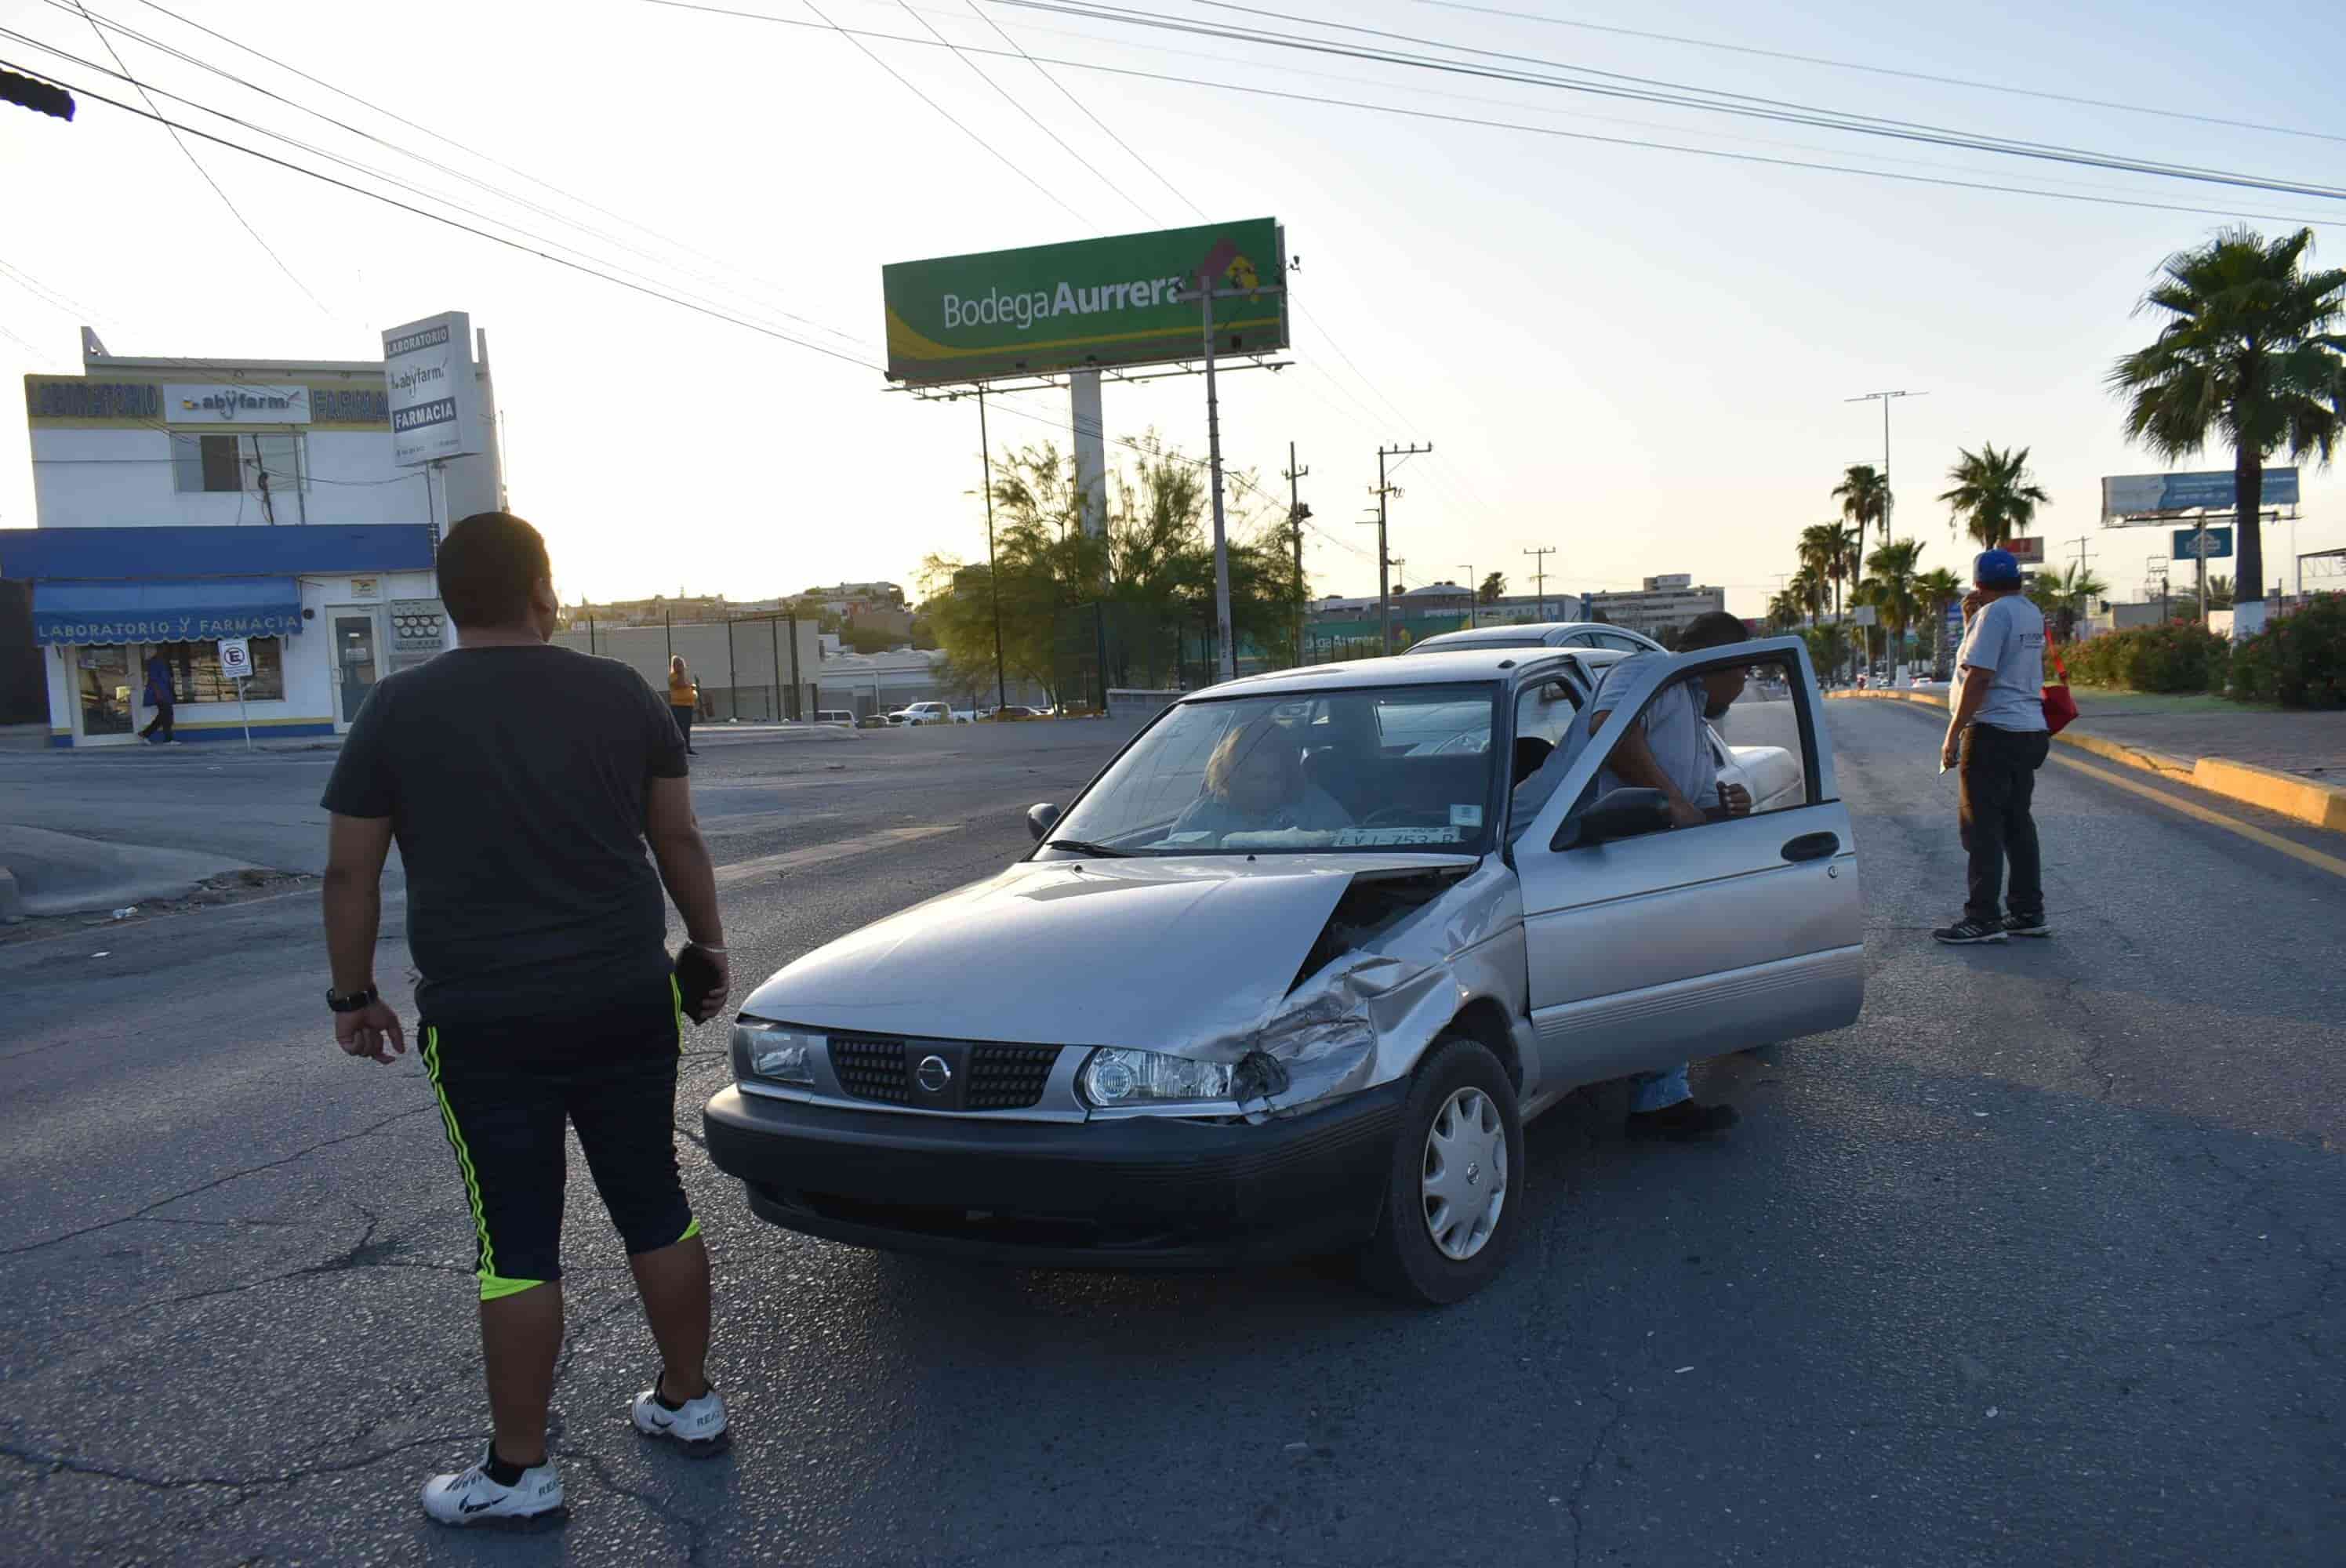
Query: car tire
pixel 1461 1098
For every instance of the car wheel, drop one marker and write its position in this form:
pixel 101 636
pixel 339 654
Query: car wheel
pixel 1454 1195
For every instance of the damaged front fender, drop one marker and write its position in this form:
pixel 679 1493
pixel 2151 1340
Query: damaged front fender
pixel 1403 955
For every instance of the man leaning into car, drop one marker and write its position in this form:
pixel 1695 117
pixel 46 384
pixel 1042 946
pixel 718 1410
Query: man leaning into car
pixel 1668 750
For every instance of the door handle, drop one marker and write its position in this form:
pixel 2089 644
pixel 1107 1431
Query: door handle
pixel 1812 847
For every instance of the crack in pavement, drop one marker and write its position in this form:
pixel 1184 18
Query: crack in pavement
pixel 36 1460
pixel 696 1533
pixel 368 1131
pixel 1589 1471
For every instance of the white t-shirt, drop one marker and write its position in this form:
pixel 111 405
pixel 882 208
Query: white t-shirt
pixel 2007 637
pixel 1675 732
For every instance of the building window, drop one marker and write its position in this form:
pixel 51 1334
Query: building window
pixel 233 462
pixel 196 673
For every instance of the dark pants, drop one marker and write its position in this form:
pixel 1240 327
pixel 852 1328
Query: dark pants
pixel 158 726
pixel 1999 779
pixel 683 722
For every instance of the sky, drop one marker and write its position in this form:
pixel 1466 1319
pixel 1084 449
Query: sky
pixel 1637 357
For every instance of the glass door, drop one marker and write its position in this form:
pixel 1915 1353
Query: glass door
pixel 103 691
pixel 358 664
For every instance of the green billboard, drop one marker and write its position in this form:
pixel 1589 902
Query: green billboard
pixel 1094 302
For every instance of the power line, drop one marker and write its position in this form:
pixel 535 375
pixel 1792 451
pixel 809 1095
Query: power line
pixel 266 248
pixel 406 151
pixel 1646 89
pixel 510 244
pixel 1882 71
pixel 1642 144
pixel 1023 110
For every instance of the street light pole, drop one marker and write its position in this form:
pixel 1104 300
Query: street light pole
pixel 1474 592
pixel 1885 399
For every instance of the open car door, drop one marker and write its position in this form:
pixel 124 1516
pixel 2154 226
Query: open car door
pixel 1650 945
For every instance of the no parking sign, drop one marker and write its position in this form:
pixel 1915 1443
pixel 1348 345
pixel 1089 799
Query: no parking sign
pixel 236 665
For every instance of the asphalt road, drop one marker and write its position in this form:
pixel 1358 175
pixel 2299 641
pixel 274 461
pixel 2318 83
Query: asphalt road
pixel 2037 1263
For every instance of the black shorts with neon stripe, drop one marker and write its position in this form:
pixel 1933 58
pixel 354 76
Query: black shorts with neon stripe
pixel 507 1090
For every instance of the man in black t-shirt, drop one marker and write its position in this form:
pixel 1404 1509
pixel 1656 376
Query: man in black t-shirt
pixel 522 783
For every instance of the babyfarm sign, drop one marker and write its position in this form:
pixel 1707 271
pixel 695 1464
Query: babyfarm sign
pixel 1094 302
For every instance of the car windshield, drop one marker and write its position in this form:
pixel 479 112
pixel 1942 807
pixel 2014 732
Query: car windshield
pixel 1373 769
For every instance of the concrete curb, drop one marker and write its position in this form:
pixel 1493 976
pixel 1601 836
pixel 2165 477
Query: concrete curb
pixel 2303 799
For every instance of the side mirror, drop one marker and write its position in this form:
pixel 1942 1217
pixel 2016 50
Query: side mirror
pixel 1622 814
pixel 1041 818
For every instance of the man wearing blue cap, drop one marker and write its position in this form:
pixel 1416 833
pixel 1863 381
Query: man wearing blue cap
pixel 1997 734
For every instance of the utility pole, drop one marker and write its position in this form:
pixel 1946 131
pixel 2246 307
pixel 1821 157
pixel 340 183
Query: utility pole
pixel 1296 512
pixel 1384 582
pixel 1474 595
pixel 993 572
pixel 1885 397
pixel 1203 296
pixel 1539 575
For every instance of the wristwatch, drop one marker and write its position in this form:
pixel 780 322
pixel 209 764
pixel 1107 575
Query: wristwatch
pixel 351 1000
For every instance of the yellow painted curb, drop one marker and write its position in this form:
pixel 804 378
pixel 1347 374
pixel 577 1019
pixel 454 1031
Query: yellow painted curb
pixel 2306 799
pixel 2301 800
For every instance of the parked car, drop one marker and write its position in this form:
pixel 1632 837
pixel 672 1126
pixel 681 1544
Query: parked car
pixel 964 715
pixel 1307 1011
pixel 875 721
pixel 838 716
pixel 1544 634
pixel 916 713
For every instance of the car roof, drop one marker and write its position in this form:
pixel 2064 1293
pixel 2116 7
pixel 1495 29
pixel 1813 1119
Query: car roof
pixel 1438 667
pixel 1522 634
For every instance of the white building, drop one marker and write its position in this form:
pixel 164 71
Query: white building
pixel 1664 602
pixel 179 502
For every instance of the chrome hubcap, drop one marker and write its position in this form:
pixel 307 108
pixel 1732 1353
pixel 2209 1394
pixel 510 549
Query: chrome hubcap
pixel 1464 1180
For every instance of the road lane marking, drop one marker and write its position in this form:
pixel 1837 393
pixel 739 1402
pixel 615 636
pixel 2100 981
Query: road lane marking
pixel 816 854
pixel 2289 847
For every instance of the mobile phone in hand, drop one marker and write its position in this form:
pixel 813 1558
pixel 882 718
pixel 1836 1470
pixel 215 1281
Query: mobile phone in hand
pixel 698 980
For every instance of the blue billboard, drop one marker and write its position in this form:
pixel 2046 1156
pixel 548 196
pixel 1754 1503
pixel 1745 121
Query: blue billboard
pixel 2219 544
pixel 2145 494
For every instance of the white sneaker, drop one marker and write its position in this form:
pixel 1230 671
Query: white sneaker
pixel 698 1428
pixel 473 1497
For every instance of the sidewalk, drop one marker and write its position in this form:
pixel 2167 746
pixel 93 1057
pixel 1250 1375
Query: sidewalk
pixel 2291 762
pixel 2189 728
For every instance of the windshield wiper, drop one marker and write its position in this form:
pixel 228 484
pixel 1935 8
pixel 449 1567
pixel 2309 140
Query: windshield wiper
pixel 1081 847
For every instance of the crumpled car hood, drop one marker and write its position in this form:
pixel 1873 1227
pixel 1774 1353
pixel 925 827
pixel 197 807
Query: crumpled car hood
pixel 1147 953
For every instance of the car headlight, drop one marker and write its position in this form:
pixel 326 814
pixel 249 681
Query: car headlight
pixel 769 1051
pixel 1117 1076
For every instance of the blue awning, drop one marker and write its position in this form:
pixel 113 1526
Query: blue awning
pixel 166 610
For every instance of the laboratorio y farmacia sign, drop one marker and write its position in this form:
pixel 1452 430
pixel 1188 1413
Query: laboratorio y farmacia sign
pixel 436 402
pixel 1094 302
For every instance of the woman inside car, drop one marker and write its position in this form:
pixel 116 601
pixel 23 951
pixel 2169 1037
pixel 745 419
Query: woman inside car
pixel 1255 784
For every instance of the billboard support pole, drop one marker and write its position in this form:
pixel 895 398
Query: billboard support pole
pixel 993 577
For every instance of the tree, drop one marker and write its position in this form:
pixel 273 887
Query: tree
pixel 2185 604
pixel 1784 609
pixel 1827 648
pixel 2250 349
pixel 1864 496
pixel 1494 588
pixel 1891 588
pixel 1809 589
pixel 869 639
pixel 1935 590
pixel 1994 496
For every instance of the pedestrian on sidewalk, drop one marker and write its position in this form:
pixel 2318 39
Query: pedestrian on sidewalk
pixel 1996 734
pixel 522 783
pixel 683 697
pixel 162 699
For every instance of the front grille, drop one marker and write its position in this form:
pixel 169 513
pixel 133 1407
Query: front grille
pixel 984 1077
pixel 1009 1078
pixel 871 1069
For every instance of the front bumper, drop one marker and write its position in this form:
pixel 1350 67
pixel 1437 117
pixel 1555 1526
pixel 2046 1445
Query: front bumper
pixel 1131 1193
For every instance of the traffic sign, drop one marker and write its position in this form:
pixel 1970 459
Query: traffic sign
pixel 2219 544
pixel 236 658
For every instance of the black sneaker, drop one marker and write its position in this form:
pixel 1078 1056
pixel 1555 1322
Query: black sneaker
pixel 2026 925
pixel 1680 1124
pixel 1967 932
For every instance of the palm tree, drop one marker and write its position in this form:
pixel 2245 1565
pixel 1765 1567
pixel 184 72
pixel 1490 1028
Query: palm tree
pixel 1864 496
pixel 1809 590
pixel 1891 588
pixel 1494 588
pixel 1784 609
pixel 2251 349
pixel 1994 495
pixel 1936 589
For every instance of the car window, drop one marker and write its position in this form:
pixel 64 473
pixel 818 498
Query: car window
pixel 1726 738
pixel 1617 640
pixel 1371 769
pixel 1545 711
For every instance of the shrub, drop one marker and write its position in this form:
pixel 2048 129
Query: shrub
pixel 2171 657
pixel 2298 660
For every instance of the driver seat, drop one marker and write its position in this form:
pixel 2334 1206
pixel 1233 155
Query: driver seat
pixel 1531 755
